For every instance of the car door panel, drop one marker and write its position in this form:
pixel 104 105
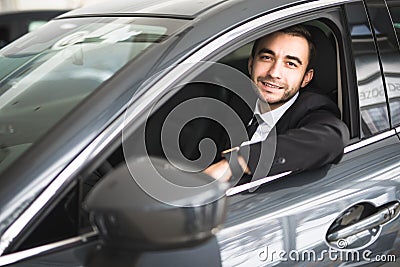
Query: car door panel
pixel 294 213
pixel 288 220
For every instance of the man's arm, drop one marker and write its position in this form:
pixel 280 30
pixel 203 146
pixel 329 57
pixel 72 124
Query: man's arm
pixel 219 171
pixel 318 140
pixel 222 171
pixel 315 137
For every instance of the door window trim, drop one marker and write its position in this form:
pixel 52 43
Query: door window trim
pixel 370 140
pixel 48 248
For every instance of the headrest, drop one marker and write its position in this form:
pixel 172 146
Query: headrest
pixel 325 69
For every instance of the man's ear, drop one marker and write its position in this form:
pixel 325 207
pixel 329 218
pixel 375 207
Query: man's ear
pixel 250 65
pixel 307 77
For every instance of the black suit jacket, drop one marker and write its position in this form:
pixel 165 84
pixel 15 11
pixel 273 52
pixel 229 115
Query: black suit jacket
pixel 310 134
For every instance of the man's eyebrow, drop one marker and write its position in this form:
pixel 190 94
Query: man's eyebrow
pixel 266 51
pixel 269 51
pixel 295 59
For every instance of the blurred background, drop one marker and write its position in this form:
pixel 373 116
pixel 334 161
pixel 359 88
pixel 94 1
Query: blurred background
pixel 12 5
pixel 18 17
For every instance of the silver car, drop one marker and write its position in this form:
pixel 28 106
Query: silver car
pixel 109 113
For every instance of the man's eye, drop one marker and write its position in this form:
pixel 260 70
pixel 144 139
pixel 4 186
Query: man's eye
pixel 292 64
pixel 265 57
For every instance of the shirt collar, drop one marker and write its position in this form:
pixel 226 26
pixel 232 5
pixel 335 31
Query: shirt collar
pixel 273 116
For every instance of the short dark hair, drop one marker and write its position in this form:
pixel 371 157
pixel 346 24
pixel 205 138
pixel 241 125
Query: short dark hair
pixel 296 30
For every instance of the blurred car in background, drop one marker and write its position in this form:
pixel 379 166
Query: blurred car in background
pixel 14 24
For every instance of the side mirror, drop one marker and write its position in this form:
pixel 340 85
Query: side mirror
pixel 126 216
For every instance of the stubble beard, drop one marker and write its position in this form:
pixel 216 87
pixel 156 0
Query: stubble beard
pixel 287 95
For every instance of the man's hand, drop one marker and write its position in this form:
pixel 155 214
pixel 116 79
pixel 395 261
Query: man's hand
pixel 219 171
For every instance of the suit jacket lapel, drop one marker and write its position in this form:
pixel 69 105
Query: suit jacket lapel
pixel 284 122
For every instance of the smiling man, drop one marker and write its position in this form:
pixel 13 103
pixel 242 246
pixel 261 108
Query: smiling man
pixel 279 66
pixel 309 132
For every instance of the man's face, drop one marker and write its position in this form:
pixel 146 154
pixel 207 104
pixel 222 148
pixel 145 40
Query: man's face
pixel 279 67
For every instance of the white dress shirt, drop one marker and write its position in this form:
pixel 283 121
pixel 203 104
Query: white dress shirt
pixel 268 120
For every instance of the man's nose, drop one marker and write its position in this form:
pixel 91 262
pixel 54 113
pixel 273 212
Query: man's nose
pixel 275 70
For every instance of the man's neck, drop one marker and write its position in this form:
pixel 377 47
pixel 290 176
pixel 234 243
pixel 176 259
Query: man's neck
pixel 265 107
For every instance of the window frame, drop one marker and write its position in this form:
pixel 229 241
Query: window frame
pixel 381 79
pixel 387 5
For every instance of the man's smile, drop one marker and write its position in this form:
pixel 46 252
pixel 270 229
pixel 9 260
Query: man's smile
pixel 269 85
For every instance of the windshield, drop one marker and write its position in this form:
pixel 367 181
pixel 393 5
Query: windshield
pixel 46 73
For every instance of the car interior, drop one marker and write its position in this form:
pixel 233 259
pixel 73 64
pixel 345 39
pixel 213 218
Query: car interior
pixel 325 82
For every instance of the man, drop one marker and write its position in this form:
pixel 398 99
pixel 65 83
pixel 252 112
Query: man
pixel 309 132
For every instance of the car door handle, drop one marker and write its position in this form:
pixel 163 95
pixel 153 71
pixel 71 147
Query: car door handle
pixel 382 216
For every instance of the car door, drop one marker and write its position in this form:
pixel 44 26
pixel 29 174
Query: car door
pixel 294 219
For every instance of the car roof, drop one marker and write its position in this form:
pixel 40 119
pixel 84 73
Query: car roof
pixel 173 8
pixel 185 8
pixel 205 19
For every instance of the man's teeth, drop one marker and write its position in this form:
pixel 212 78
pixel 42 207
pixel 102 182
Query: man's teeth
pixel 270 85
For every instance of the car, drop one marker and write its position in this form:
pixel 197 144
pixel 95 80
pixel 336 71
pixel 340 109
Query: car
pixel 14 24
pixel 110 112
